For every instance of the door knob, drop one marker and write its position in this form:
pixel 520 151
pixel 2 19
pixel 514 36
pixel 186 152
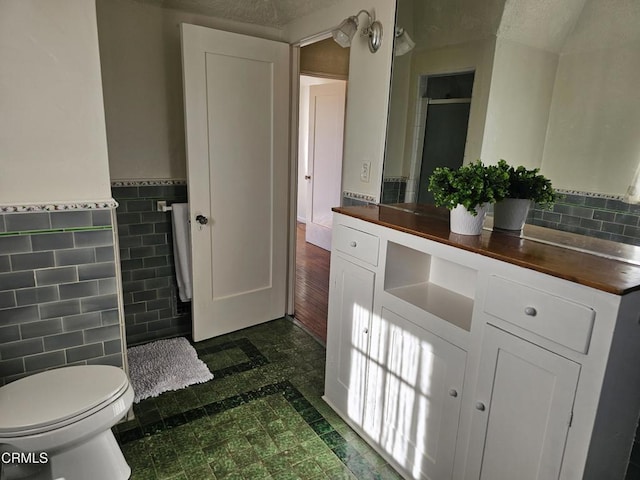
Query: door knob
pixel 453 393
pixel 307 177
pixel 202 220
pixel 480 406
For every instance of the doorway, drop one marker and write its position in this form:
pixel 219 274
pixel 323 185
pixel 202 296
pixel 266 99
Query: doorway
pixel 320 145
pixel 445 103
pixel 322 86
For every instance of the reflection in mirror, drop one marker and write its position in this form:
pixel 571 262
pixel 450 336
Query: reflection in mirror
pixel 554 87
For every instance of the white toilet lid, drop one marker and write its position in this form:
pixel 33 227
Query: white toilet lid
pixel 57 395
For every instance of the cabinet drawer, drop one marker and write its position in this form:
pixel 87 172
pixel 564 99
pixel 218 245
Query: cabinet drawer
pixel 554 318
pixel 361 245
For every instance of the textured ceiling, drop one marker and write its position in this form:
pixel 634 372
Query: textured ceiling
pixel 544 24
pixel 270 13
pixel 553 25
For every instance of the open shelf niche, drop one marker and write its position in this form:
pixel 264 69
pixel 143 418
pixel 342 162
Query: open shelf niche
pixel 440 287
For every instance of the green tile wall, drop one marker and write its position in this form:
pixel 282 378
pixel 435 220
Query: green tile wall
pixel 58 291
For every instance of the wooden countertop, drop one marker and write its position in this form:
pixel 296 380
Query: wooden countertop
pixel 601 264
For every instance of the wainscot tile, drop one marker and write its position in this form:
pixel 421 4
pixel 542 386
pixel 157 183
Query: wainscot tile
pixel 44 360
pixel 15 244
pixel 84 352
pixel 21 348
pixel 32 296
pixel 78 289
pixel 99 303
pixel 81 322
pixel 41 328
pixel 96 271
pixel 22 222
pixel 52 241
pixel 76 219
pixel 12 281
pixel 54 276
pixel 59 309
pixel 31 261
pixel 77 256
pixel 10 333
pixel 12 316
pixel 63 340
pixel 93 238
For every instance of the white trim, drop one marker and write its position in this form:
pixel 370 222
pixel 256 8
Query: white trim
pixel 54 207
pixel 607 196
pixel 148 182
pixel 359 196
pixel 294 124
pixel 395 179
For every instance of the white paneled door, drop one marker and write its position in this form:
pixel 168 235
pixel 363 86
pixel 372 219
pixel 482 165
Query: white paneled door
pixel 236 93
pixel 326 128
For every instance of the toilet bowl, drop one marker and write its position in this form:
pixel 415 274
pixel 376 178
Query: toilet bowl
pixel 57 424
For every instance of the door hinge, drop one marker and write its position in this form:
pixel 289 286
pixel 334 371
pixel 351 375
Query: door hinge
pixel 571 419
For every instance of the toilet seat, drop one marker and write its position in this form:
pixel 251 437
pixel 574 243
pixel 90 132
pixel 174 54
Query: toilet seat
pixel 49 400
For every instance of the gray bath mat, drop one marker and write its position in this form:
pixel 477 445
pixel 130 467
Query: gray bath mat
pixel 164 365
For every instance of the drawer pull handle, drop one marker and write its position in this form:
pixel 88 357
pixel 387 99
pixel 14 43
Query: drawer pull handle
pixel 530 311
pixel 353 244
pixel 480 406
pixel 453 393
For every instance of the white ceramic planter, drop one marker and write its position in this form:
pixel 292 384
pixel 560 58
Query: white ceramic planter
pixel 511 213
pixel 465 223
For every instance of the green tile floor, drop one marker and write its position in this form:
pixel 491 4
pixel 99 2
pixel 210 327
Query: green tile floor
pixel 261 417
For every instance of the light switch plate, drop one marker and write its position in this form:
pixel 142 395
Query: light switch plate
pixel 365 171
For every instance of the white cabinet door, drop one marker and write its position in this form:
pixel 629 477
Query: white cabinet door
pixel 419 379
pixel 350 309
pixel 524 399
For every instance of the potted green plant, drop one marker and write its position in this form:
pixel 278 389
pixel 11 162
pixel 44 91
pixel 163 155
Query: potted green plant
pixel 466 192
pixel 525 186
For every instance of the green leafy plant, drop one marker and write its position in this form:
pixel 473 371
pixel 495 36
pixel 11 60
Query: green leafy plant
pixel 529 184
pixel 470 185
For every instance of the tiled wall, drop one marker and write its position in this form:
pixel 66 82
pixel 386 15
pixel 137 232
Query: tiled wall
pixel 393 190
pixel 146 253
pixel 596 217
pixel 58 291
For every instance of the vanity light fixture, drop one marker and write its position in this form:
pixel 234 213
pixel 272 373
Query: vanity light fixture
pixel 344 33
pixel 403 43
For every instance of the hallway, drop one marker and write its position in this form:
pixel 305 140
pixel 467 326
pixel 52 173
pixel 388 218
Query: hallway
pixel 312 286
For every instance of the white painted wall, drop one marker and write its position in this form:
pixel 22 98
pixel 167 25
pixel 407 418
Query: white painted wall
pixel 303 141
pixel 400 97
pixel 519 102
pixel 367 91
pixel 142 77
pixel 143 86
pixel 52 129
pixel 474 56
pixel 592 141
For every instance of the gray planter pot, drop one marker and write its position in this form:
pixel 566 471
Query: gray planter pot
pixel 511 213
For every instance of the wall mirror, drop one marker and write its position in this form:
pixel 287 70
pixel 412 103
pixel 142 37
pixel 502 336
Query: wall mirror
pixel 554 85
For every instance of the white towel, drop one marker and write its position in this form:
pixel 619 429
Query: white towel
pixel 182 249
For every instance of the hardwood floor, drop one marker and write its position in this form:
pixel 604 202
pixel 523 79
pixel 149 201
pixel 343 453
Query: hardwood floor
pixel 312 285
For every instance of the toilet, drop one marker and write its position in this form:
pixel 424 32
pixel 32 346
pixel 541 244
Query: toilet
pixel 66 413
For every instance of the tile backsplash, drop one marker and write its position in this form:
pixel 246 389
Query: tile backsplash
pixel 151 308
pixel 58 291
pixel 593 216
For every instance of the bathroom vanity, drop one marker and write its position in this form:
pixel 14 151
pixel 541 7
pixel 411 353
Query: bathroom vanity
pixel 495 357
